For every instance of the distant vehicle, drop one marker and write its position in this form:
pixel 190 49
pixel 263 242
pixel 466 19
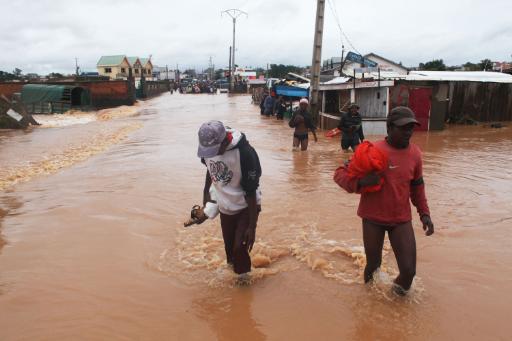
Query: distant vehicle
pixel 271 82
pixel 222 85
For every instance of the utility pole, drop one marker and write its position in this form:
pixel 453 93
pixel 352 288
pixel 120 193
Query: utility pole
pixel 234 13
pixel 77 69
pixel 342 63
pixel 230 73
pixel 317 54
pixel 210 67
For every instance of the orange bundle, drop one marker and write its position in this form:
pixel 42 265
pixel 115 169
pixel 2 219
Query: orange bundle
pixel 367 159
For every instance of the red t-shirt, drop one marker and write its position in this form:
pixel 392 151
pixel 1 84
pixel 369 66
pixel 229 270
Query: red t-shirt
pixel 402 181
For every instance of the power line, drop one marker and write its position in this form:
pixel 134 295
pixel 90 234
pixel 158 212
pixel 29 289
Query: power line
pixel 234 13
pixel 336 17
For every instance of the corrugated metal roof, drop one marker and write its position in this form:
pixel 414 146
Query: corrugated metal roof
pixel 110 60
pixel 338 80
pixel 469 76
pixel 144 61
pixel 132 60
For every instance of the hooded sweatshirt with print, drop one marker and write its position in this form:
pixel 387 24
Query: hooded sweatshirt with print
pixel 235 174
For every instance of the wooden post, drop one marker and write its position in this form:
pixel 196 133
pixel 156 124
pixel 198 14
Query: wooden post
pixel 316 60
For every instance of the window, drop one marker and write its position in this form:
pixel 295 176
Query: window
pixel 108 70
pixel 149 71
pixel 123 70
pixel 136 70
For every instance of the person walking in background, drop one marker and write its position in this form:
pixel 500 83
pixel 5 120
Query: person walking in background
pixel 269 105
pixel 280 108
pixel 262 102
pixel 351 127
pixel 302 122
pixel 388 209
pixel 233 167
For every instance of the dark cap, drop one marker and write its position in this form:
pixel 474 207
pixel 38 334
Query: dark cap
pixel 353 105
pixel 401 116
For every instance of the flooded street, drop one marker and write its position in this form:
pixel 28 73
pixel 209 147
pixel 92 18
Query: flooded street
pixel 92 243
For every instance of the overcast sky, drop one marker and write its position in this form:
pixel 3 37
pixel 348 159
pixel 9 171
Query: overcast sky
pixel 45 36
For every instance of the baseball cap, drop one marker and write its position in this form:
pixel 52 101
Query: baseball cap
pixel 211 134
pixel 401 116
pixel 304 100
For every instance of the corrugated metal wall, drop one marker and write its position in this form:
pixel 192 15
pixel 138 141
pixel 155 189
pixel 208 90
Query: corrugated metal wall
pixel 482 102
pixel 372 102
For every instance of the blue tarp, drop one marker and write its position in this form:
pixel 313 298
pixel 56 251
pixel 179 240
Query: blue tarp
pixel 291 91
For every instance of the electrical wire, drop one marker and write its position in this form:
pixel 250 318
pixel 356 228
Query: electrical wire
pixel 343 34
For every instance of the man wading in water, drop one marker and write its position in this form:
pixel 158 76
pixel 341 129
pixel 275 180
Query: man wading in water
pixel 302 122
pixel 351 127
pixel 234 169
pixel 389 208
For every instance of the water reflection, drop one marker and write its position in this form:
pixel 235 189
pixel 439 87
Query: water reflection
pixel 229 313
pixel 8 204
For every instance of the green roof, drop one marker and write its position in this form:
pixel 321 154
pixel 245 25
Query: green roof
pixel 132 60
pixel 144 61
pixel 111 60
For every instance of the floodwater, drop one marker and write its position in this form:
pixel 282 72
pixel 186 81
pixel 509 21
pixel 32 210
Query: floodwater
pixel 92 244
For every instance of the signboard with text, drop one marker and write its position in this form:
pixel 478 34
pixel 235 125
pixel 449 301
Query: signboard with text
pixel 357 58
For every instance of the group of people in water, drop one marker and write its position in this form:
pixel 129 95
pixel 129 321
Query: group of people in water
pixel 233 172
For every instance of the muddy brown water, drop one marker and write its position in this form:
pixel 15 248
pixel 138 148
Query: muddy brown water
pixel 92 244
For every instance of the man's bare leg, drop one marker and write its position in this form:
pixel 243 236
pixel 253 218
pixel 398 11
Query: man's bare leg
pixel 304 144
pixel 296 143
pixel 404 246
pixel 373 239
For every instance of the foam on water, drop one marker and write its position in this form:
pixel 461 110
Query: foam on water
pixel 199 257
pixel 52 163
pixel 72 117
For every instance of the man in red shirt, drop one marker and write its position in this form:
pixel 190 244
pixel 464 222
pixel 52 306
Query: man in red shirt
pixel 389 209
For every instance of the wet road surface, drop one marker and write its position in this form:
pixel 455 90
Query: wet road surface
pixel 92 244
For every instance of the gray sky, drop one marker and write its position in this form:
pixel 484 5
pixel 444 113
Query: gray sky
pixel 46 35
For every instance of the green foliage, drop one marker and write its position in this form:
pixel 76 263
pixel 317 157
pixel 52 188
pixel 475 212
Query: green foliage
pixel 280 70
pixel 485 64
pixel 472 67
pixel 219 73
pixel 55 75
pixel 434 65
pixel 260 71
pixel 6 76
pixel 191 72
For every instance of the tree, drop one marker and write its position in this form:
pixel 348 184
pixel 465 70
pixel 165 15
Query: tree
pixel 55 75
pixel 434 65
pixel 485 64
pixel 471 67
pixel 219 73
pixel 191 73
pixel 6 76
pixel 280 71
pixel 17 72
pixel 260 71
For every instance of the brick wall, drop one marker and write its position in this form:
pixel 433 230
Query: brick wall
pixel 104 93
pixel 9 88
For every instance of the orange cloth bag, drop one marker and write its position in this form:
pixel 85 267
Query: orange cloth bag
pixel 367 158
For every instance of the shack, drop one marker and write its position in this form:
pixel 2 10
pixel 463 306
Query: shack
pixel 48 99
pixel 372 96
pixel 438 97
